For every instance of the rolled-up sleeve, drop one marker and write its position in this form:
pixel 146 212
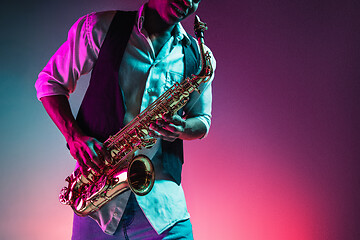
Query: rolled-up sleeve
pixel 200 105
pixel 74 58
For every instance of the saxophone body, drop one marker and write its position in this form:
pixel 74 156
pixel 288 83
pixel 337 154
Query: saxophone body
pixel 123 171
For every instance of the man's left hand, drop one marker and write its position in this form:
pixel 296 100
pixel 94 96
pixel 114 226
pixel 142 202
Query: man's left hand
pixel 168 128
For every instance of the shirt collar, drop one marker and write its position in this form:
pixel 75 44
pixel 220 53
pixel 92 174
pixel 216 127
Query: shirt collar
pixel 179 32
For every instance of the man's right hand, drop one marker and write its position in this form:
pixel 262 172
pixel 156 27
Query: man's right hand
pixel 88 152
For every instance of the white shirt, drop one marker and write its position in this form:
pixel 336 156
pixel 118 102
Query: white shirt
pixel 143 77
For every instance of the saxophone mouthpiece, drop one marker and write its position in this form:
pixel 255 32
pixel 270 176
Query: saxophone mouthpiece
pixel 199 27
pixel 197 20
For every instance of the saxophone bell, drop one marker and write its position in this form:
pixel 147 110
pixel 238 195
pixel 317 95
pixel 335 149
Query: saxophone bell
pixel 84 199
pixel 141 175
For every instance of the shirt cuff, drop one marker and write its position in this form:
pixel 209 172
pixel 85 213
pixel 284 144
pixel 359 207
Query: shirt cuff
pixel 206 121
pixel 49 88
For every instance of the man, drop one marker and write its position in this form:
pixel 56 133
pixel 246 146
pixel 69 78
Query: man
pixel 155 55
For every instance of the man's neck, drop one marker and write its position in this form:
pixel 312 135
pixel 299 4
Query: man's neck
pixel 158 31
pixel 155 26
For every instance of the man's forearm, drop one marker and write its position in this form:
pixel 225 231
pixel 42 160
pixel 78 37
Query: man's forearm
pixel 83 148
pixel 59 110
pixel 194 129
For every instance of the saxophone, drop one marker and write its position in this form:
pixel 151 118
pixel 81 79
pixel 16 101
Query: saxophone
pixel 123 171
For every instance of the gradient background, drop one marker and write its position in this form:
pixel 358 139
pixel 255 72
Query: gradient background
pixel 281 161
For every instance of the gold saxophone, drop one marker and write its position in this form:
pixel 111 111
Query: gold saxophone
pixel 86 194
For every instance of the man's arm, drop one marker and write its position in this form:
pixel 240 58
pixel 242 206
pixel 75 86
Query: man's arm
pixel 83 148
pixel 171 128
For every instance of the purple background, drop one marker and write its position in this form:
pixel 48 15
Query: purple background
pixel 281 161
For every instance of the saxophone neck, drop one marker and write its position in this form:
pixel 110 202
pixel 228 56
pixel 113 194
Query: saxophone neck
pixel 206 67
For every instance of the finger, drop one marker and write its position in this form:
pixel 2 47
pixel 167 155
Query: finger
pixel 167 117
pixel 92 162
pixel 106 154
pixel 100 154
pixel 159 122
pixel 170 126
pixel 154 130
pixel 175 129
pixel 177 120
pixel 164 133
pixel 89 161
pixel 82 165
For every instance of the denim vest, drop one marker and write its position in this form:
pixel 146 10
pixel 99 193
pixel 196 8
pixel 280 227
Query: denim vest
pixel 102 110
